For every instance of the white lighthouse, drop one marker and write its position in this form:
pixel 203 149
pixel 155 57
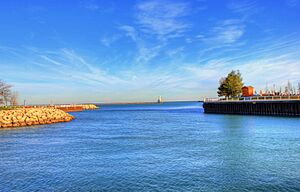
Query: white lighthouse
pixel 159 99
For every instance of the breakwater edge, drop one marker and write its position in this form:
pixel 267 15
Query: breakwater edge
pixel 39 115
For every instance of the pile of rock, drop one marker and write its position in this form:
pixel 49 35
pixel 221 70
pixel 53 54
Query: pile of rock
pixel 32 116
pixel 89 107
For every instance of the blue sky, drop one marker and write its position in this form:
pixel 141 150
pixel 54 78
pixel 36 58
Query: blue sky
pixel 110 51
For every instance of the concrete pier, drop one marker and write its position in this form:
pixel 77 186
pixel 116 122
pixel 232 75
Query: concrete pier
pixel 267 107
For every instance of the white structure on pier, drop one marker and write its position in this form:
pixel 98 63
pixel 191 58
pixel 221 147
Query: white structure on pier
pixel 159 99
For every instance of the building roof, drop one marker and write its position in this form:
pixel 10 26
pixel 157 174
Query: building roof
pixel 247 87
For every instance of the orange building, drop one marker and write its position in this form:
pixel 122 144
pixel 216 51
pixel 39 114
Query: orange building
pixel 247 91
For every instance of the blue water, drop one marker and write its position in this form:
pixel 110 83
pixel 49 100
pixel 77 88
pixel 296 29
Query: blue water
pixel 154 147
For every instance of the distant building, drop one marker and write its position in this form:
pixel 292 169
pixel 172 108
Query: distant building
pixel 247 91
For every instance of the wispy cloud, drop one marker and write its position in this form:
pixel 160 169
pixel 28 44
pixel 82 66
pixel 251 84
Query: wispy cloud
pixel 109 40
pixel 162 18
pixel 98 6
pixel 129 31
pixel 228 31
pixel 245 8
pixel 65 65
pixel 47 58
pixel 145 54
pixel 156 22
pixel 145 51
pixel 267 47
pixel 175 51
pixel 224 32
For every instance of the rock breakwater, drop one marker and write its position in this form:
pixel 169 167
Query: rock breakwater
pixel 89 107
pixel 73 108
pixel 32 116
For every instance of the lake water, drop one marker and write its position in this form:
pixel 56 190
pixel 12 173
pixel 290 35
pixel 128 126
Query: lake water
pixel 153 147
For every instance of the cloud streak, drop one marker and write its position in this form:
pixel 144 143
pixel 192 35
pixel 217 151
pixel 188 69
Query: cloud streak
pixel 162 18
pixel 227 31
pixel 157 22
pixel 245 8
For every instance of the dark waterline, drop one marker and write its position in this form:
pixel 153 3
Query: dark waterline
pixel 153 147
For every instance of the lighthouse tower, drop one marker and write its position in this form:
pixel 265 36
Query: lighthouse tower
pixel 159 99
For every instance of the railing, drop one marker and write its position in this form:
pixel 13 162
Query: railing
pixel 254 98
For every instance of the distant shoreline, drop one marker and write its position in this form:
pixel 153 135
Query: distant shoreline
pixel 139 103
pixel 117 103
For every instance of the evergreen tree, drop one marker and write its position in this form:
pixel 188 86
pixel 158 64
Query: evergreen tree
pixel 231 86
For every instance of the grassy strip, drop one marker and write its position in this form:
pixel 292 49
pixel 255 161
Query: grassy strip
pixel 7 107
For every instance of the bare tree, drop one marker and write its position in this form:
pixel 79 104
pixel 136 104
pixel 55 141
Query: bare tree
pixel 14 98
pixel 5 93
